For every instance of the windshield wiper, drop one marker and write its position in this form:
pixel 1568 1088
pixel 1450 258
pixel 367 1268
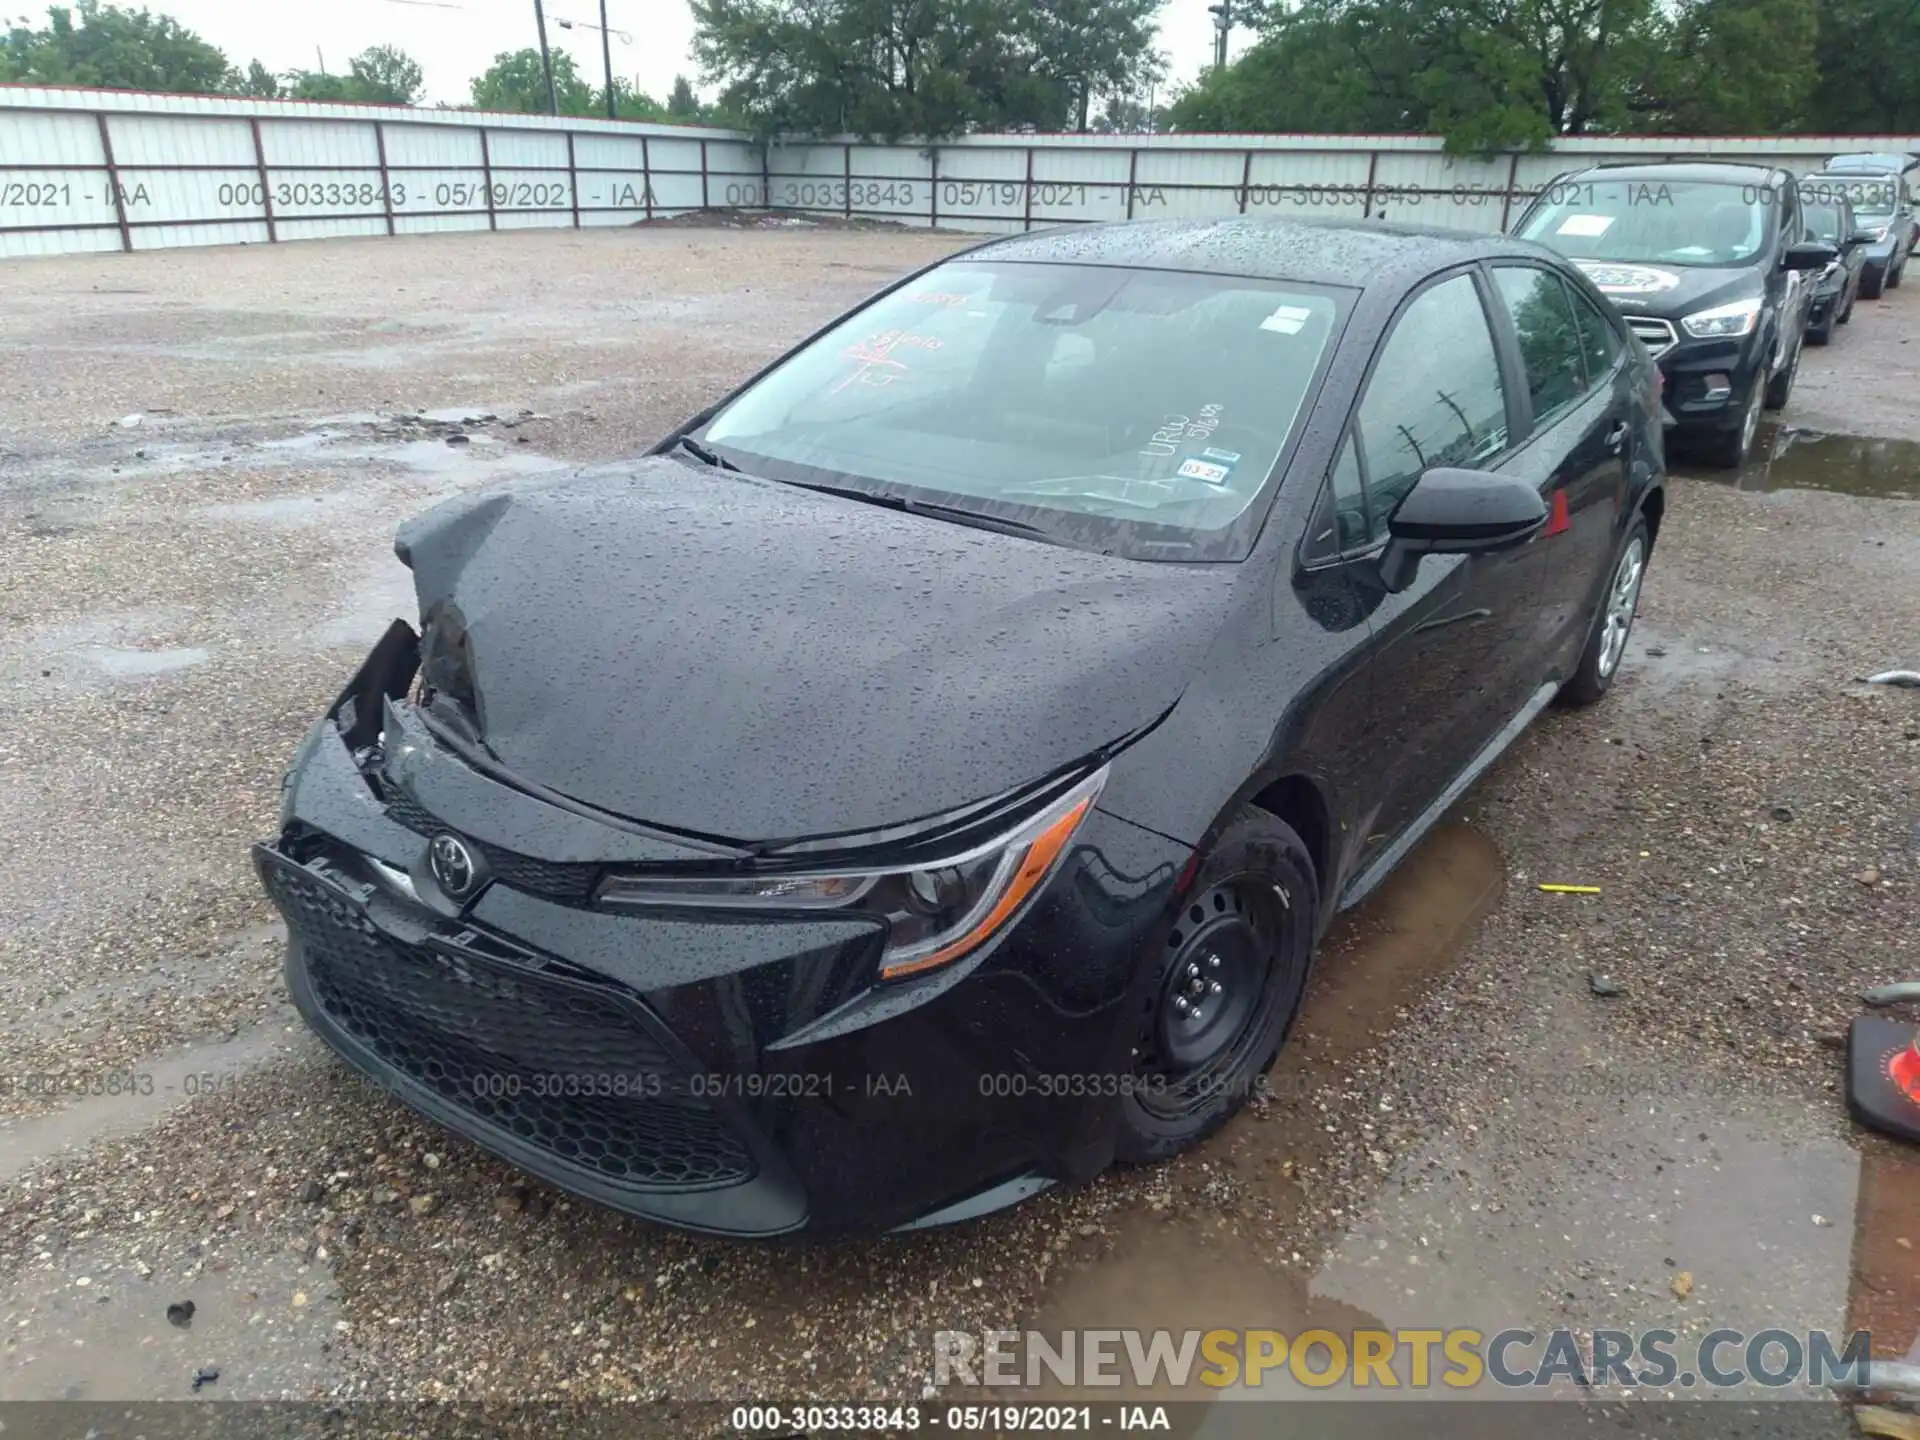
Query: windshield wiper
pixel 928 507
pixel 705 456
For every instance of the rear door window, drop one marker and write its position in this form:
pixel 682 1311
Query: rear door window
pixel 1551 347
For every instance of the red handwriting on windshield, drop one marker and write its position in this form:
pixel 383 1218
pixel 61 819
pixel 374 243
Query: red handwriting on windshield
pixel 874 360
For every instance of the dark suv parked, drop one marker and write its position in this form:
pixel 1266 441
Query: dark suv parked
pixel 1711 266
pixel 1884 191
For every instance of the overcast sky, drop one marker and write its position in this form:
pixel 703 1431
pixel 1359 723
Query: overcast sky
pixel 454 40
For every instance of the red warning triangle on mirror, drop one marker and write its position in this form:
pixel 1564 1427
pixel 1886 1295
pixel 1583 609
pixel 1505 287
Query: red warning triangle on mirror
pixel 1558 520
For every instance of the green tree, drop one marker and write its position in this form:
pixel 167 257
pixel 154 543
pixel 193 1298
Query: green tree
pixel 259 82
pixel 382 75
pixel 1091 47
pixel 117 49
pixel 682 103
pixel 386 75
pixel 515 82
pixel 893 68
pixel 1867 58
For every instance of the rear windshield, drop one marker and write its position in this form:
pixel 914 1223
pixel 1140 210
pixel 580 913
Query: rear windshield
pixel 1652 221
pixel 1135 411
pixel 1872 196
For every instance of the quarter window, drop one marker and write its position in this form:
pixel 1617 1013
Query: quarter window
pixel 1550 345
pixel 1435 397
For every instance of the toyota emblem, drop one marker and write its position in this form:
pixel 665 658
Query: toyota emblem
pixel 452 865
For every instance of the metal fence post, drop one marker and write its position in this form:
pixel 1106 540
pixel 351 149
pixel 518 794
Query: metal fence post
pixel 933 186
pixel 706 203
pixel 1506 202
pixel 766 174
pixel 573 181
pixel 1246 178
pixel 1373 166
pixel 386 181
pixel 1026 215
pixel 486 174
pixel 846 178
pixel 1133 174
pixel 646 175
pixel 266 189
pixel 113 182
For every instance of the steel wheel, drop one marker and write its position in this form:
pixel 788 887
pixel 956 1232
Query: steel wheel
pixel 1623 599
pixel 1211 1005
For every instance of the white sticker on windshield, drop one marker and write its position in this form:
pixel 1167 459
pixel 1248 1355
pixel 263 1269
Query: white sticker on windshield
pixel 1288 319
pixel 1585 227
pixel 1203 470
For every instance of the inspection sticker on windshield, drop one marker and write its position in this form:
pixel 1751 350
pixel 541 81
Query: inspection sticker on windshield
pixel 1288 319
pixel 1204 470
pixel 1221 457
pixel 1585 227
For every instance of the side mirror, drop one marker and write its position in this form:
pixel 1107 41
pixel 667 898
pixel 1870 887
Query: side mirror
pixel 1809 255
pixel 1862 236
pixel 1458 512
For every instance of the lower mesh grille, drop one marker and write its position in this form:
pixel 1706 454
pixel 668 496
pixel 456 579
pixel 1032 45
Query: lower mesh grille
pixel 557 1063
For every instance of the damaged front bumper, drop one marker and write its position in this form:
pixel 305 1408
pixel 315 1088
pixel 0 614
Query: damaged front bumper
pixel 730 1074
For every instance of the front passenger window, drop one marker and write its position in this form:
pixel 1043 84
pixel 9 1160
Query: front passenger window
pixel 1435 397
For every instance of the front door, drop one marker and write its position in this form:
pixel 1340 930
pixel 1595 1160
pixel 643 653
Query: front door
pixel 1439 676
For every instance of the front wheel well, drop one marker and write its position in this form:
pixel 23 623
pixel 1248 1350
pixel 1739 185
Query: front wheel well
pixel 1297 800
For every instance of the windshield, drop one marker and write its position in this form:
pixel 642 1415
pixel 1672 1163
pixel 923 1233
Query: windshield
pixel 1872 196
pixel 1652 221
pixel 1135 411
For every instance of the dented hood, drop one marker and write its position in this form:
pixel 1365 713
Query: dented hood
pixel 755 661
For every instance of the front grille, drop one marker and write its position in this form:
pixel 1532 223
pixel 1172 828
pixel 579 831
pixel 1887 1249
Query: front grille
pixel 558 1063
pixel 567 882
pixel 1657 335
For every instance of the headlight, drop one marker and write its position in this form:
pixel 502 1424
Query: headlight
pixel 935 912
pixel 1723 320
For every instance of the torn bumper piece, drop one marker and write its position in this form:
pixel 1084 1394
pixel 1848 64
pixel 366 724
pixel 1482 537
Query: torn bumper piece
pixel 746 1076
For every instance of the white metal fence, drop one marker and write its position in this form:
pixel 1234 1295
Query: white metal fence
pixel 111 170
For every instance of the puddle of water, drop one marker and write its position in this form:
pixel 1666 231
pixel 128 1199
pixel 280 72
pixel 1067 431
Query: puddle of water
pixel 1383 957
pixel 159 1084
pixel 1886 1250
pixel 1787 457
pixel 138 664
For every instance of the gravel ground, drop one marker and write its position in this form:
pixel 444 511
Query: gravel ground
pixel 197 495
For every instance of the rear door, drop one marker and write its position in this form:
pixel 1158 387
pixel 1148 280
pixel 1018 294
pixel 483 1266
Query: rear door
pixel 1575 444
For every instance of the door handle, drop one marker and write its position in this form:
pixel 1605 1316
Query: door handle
pixel 1617 437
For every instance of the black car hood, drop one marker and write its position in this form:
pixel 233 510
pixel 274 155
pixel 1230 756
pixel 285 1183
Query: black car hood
pixel 1671 291
pixel 754 661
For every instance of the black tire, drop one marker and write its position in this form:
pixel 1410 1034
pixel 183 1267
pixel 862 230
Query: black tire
pixel 1781 385
pixel 1898 274
pixel 1600 661
pixel 1727 449
pixel 1853 298
pixel 1823 332
pixel 1258 906
pixel 1870 285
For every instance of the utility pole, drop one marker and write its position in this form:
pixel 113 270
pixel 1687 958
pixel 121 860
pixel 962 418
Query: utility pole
pixel 606 56
pixel 546 58
pixel 1222 23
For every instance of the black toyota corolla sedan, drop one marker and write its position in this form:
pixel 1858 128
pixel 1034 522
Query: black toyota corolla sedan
pixel 925 776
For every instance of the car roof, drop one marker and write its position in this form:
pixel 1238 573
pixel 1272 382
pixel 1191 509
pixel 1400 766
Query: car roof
pixel 1708 172
pixel 1346 252
pixel 1875 160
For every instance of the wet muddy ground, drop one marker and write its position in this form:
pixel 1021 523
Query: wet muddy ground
pixel 201 464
